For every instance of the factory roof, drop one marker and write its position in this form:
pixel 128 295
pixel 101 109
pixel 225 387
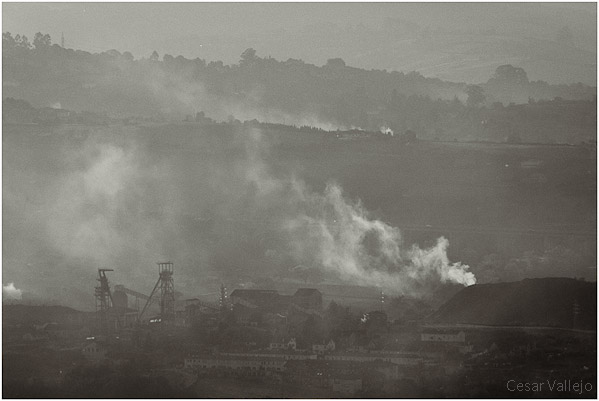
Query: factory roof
pixel 261 298
pixel 306 292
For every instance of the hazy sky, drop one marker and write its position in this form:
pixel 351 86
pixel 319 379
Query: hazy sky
pixel 101 26
pixel 459 42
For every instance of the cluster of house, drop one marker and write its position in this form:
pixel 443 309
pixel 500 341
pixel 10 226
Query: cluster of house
pixel 342 377
pixel 324 366
pixel 354 134
pixel 318 349
pixel 95 351
pixel 343 368
pixel 274 358
pixel 443 339
pixel 345 374
pixel 246 365
pixel 442 336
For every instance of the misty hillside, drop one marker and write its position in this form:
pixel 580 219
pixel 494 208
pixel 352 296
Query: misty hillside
pixel 297 93
pixel 36 314
pixel 460 55
pixel 215 198
pixel 548 302
pixel 299 200
pixel 460 42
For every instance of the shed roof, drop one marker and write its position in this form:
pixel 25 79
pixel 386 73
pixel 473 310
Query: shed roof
pixel 306 292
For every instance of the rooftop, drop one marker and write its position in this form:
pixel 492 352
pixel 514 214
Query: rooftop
pixel 306 292
pixel 222 357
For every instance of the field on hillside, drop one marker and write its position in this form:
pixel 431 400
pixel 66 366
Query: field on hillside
pixel 435 183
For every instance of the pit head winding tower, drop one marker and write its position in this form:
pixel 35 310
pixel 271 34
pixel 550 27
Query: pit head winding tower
pixel 167 291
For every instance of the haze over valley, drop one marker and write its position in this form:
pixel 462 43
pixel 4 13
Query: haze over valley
pixel 402 196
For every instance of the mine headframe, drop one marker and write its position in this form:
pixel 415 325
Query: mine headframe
pixel 167 292
pixel 104 301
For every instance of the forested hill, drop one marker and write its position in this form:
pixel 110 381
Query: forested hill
pixel 18 314
pixel 293 92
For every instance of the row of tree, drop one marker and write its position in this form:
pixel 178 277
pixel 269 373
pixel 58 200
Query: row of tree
pixel 40 41
pixel 290 92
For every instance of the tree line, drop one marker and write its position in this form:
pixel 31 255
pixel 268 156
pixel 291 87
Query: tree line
pixel 297 93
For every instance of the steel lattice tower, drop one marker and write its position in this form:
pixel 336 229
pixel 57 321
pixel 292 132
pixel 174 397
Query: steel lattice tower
pixel 167 291
pixel 103 299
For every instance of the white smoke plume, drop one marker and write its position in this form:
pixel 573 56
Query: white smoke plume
pixel 10 292
pixel 323 230
pixel 339 235
pixel 329 231
pixel 387 131
pixel 113 208
pixel 126 200
pixel 81 219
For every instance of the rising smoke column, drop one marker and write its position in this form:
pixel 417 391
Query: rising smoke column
pixel 326 230
pixel 121 200
pixel 343 239
pixel 113 207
